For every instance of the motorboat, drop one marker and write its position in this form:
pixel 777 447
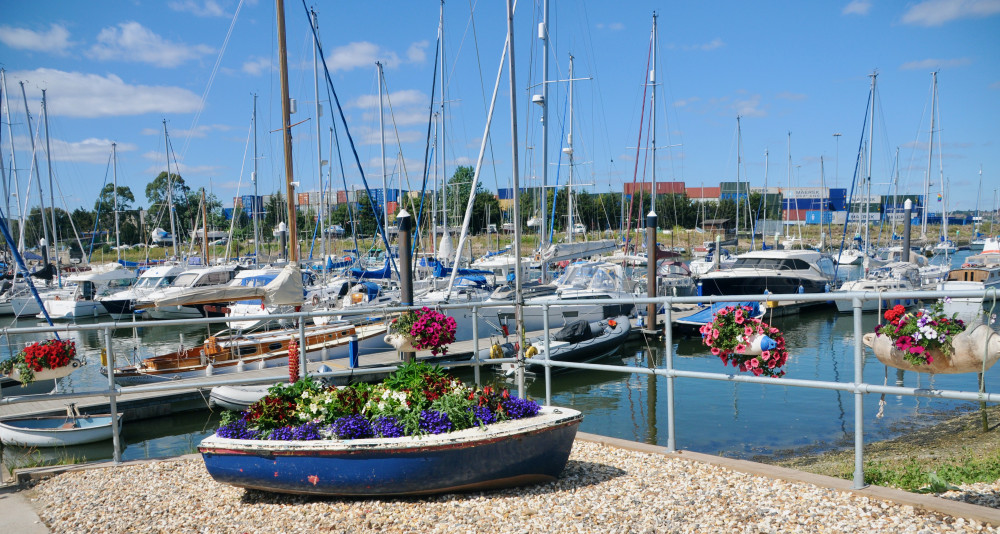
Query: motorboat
pixel 674 278
pixel 578 341
pixel 896 276
pixel 712 261
pixel 190 280
pixel 772 271
pixel 88 288
pixel 584 284
pixel 973 277
pixel 121 304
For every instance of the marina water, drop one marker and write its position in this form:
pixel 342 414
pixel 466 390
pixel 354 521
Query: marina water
pixel 716 417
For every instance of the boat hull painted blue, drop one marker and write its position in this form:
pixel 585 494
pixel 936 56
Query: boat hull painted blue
pixel 399 466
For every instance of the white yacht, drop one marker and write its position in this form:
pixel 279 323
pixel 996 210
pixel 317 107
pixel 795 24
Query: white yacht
pixel 87 288
pixel 121 304
pixel 712 262
pixel 981 271
pixel 192 279
pixel 897 276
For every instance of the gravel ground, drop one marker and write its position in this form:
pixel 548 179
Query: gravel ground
pixel 603 489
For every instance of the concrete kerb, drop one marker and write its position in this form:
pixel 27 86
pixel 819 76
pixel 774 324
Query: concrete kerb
pixel 927 502
pixel 26 514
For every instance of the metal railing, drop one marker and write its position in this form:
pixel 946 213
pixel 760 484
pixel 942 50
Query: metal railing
pixel 858 387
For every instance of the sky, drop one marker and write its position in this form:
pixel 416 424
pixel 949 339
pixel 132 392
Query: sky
pixel 795 73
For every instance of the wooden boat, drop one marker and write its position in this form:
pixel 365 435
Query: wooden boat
pixel 237 352
pixel 57 430
pixel 576 342
pixel 510 453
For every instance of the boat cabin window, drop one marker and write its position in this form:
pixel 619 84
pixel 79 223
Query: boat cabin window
pixel 121 282
pixel 826 266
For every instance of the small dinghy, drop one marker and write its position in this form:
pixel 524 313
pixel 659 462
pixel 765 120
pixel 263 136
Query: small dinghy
pixel 236 398
pixel 57 430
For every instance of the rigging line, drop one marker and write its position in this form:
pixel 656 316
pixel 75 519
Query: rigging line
pixel 638 144
pixel 395 129
pixel 97 217
pixel 239 186
pixel 555 188
pixel 427 145
pixel 211 78
pixel 482 84
pixel 850 200
pixel 350 139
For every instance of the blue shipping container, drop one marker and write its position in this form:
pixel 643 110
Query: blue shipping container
pixel 813 217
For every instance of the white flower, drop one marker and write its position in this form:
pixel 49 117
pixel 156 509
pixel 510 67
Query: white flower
pixel 314 407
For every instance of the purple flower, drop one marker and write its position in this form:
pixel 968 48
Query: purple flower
pixel 482 415
pixel 388 427
pixel 353 427
pixel 236 430
pixel 518 408
pixel 435 422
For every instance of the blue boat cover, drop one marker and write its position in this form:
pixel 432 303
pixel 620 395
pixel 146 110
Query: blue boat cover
pixel 379 274
pixel 440 271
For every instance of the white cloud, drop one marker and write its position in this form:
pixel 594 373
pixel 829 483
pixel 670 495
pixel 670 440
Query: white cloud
pixel 206 8
pixel 131 41
pixel 932 64
pixel 74 94
pixel 199 131
pixel 417 53
pixel 97 151
pixel 56 40
pixel 938 12
pixel 684 102
pixel 256 65
pixel 400 118
pixel 713 44
pixel 399 99
pixel 857 7
pixel 372 136
pixel 749 107
pixel 359 54
pixel 183 169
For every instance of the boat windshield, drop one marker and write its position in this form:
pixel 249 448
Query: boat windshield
pixel 771 263
pixel 185 279
pixel 595 276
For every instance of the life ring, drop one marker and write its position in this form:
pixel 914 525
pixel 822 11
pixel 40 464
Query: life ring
pixel 315 300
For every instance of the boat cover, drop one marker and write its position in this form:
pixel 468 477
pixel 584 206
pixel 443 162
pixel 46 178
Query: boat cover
pixel 574 332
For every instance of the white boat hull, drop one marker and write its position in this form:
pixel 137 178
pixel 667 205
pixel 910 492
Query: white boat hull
pixel 56 431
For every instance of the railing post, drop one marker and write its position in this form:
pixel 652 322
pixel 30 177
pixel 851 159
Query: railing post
pixel 303 361
pixel 548 366
pixel 112 397
pixel 668 336
pixel 859 399
pixel 475 343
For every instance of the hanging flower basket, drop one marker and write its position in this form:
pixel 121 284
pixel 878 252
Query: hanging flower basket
pixel 398 341
pixel 45 360
pixel 973 351
pixel 928 341
pixel 750 344
pixel 422 330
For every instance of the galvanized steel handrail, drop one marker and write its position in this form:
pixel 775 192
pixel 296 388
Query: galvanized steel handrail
pixel 858 387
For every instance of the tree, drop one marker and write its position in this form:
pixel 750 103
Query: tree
pixel 156 194
pixel 104 208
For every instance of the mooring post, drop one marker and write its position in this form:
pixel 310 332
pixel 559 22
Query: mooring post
pixel 651 270
pixel 668 345
pixel 907 215
pixel 406 268
pixel 112 397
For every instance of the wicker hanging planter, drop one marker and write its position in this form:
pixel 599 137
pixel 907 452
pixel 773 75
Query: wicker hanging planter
pixel 400 342
pixel 972 351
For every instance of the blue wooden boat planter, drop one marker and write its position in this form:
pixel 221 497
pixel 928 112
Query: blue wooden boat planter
pixel 505 454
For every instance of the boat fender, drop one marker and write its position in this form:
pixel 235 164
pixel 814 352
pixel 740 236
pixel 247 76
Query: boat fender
pixel 496 351
pixel 531 352
pixel 315 300
pixel 612 323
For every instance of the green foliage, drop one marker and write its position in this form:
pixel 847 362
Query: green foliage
pixel 920 476
pixel 413 375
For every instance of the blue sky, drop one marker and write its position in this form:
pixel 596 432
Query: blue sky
pixel 114 71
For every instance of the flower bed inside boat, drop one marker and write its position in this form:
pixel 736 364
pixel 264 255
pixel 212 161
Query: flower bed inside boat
pixel 416 400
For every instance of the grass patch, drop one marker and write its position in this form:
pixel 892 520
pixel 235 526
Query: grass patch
pixel 919 474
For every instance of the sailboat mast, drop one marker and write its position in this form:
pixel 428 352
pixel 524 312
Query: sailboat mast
pixel 930 157
pixel 788 211
pixel 822 201
pixel 6 191
pixel 518 297
pixel 114 161
pixel 293 240
pixel 41 195
pixel 52 195
pixel 170 191
pixel 441 149
pixel 868 173
pixel 319 145
pixel 21 202
pixel 739 141
pixel 381 128
pixel 543 220
pixel 569 152
pixel 763 229
pixel 253 205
